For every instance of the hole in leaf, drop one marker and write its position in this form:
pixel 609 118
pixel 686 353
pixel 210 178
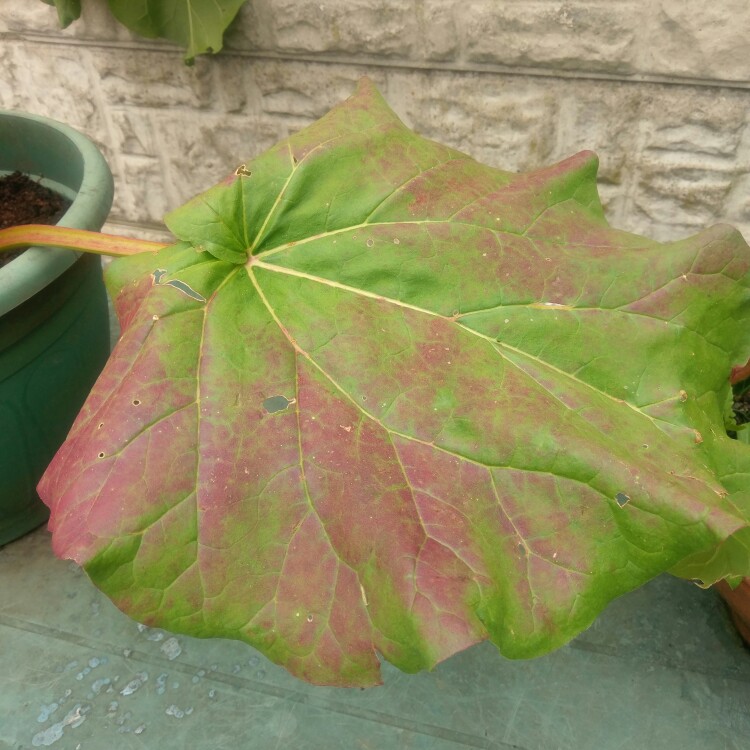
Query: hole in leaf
pixel 136 402
pixel 186 289
pixel 242 171
pixel 275 404
pixel 101 455
pixel 622 499
pixel 160 273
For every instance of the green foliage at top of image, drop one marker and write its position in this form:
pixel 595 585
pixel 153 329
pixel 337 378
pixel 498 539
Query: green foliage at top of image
pixel 196 25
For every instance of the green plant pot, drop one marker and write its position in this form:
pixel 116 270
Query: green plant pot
pixel 54 322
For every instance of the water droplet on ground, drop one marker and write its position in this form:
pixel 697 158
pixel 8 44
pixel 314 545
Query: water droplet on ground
pixel 97 685
pixel 135 684
pixel 73 719
pixel 171 648
pixel 46 712
pixel 173 710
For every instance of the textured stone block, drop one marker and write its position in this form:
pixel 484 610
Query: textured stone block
pixel 155 79
pixel 27 17
pixel 690 157
pixel 438 29
pixel 602 117
pixel 59 83
pixel 303 92
pixel 358 27
pixel 693 38
pixel 571 35
pixel 235 87
pixel 509 123
pixel 200 156
pixel 414 29
pixel 141 191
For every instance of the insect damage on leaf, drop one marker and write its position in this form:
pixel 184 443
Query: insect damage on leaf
pixel 275 404
pixel 622 499
pixel 451 337
pixel 181 286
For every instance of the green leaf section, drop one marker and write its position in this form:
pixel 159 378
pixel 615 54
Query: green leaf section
pixel 381 399
pixel 67 10
pixel 196 25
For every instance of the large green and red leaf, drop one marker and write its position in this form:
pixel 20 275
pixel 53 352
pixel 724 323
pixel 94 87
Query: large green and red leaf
pixel 382 399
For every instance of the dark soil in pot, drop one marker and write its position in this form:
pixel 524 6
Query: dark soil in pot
pixel 24 201
pixel 741 407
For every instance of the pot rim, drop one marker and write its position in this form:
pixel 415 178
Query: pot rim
pixel 43 146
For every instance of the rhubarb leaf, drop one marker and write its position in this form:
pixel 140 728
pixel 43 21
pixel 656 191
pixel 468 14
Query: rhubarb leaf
pixel 381 399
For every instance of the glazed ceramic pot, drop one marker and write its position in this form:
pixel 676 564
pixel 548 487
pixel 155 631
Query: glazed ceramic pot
pixel 54 328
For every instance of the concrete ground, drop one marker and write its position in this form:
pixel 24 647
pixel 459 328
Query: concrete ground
pixel 661 668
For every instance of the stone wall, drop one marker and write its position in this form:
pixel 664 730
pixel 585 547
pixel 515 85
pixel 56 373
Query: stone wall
pixel 659 88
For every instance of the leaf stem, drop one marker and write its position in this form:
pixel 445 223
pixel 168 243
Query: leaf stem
pixel 44 235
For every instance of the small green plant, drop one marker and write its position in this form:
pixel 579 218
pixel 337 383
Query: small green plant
pixel 380 399
pixel 197 25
